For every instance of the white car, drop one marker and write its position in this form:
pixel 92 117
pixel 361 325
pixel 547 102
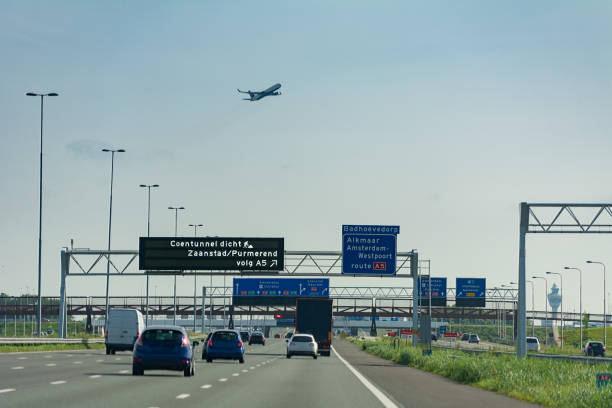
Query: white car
pixel 533 344
pixel 302 345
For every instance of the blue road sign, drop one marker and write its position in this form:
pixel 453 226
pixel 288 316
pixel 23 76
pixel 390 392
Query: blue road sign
pixel 438 287
pixel 369 249
pixel 281 287
pixel 442 330
pixel 471 292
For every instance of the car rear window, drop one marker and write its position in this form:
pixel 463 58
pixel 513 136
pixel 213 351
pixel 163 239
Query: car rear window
pixel 532 340
pixel 225 336
pixel 301 339
pixel 597 345
pixel 162 335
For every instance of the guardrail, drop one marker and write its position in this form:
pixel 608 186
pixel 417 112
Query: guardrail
pixel 47 340
pixel 561 357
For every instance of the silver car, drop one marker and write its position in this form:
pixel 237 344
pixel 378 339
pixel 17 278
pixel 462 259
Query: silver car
pixel 302 345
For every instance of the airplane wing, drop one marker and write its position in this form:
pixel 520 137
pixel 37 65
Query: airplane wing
pixel 242 91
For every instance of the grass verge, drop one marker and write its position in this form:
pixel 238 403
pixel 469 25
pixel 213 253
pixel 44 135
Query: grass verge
pixel 11 348
pixel 549 383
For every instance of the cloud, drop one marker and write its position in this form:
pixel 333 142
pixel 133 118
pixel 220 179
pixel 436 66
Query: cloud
pixel 85 148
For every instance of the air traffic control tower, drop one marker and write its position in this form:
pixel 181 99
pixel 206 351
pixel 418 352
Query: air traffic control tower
pixel 554 300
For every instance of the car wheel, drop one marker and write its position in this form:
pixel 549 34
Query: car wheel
pixel 203 356
pixel 107 350
pixel 314 356
pixel 288 355
pixel 187 371
pixel 136 370
pixel 192 369
pixel 208 360
pixel 241 360
pixel 112 351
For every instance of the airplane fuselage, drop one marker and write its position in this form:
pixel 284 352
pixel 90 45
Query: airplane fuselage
pixel 255 96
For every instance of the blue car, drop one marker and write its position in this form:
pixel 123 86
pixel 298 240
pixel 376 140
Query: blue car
pixel 225 344
pixel 163 348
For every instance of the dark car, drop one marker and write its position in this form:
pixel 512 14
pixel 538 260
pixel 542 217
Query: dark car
pixel 225 344
pixel 465 337
pixel 595 348
pixel 474 339
pixel 204 346
pixel 163 348
pixel 244 335
pixel 258 338
pixel 434 337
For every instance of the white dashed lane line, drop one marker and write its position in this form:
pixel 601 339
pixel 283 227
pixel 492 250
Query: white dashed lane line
pixel 206 386
pixel 95 376
pixel 252 368
pixel 57 382
pixel 78 362
pixel 182 396
pixel 245 371
pixel 17 368
pixel 124 371
pixel 50 364
pixel 236 374
pixel 222 379
pixel 48 356
pixel 118 358
pixel 99 361
pixel 7 390
pixel 22 358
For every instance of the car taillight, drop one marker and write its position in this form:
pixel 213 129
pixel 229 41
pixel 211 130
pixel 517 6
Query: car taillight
pixel 311 344
pixel 239 344
pixel 139 341
pixel 185 342
pixel 603 348
pixel 589 347
pixel 185 361
pixel 325 346
pixel 106 334
pixel 292 343
pixel 209 343
pixel 138 359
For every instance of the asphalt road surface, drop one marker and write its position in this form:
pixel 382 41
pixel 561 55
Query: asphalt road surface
pixel 267 379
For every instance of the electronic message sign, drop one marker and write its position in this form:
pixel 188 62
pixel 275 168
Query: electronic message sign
pixel 369 249
pixel 211 253
pixel 272 291
pixel 438 291
pixel 471 292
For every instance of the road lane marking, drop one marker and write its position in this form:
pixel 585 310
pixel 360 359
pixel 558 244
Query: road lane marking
pixel 22 358
pixel 7 390
pixel 99 361
pixel 245 371
pixel 257 365
pixel 50 364
pixel 118 358
pixel 48 356
pixel 206 386
pixel 17 368
pixel 236 374
pixel 69 355
pixel 222 379
pixel 387 403
pixel 78 362
pixel 95 376
pixel 252 368
pixel 57 382
pixel 124 371
pixel 182 396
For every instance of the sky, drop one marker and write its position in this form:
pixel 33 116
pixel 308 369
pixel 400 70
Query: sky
pixel 440 117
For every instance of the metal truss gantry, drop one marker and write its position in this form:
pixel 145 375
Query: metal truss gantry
pixel 554 218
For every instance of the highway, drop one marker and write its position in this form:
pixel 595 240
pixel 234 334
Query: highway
pixel 267 379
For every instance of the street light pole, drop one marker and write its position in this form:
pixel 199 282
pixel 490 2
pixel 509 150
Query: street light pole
pixel 39 311
pixel 580 311
pixel 148 186
pixel 562 321
pixel 546 305
pixel 195 234
pixel 604 289
pixel 110 218
pixel 175 235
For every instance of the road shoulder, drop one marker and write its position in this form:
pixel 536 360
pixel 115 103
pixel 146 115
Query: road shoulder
pixel 412 387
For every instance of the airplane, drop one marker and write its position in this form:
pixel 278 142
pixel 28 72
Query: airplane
pixel 255 96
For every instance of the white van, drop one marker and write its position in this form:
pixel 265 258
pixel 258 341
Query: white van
pixel 533 344
pixel 124 327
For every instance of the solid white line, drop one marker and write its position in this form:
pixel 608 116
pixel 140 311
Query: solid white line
pixel 17 368
pixel 57 382
pixel 206 386
pixel 387 403
pixel 50 364
pixel 222 379
pixel 182 396
pixel 7 390
pixel 95 376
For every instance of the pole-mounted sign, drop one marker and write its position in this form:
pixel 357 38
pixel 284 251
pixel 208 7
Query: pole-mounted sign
pixel 369 249
pixel 211 253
